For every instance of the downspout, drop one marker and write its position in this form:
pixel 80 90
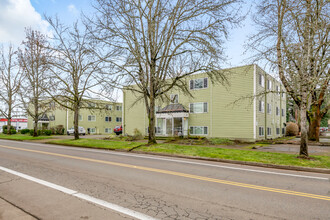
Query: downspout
pixel 254 102
pixel 265 107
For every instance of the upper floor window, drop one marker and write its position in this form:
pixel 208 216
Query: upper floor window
pixel 198 83
pixel 91 118
pixel 91 105
pixel 283 112
pixel 107 118
pixel 269 84
pixel 277 90
pixel 269 108
pixel 109 107
pixel 80 118
pixel 277 111
pixel 200 107
pixel 261 80
pixel 261 106
pixel 118 107
pixel 52 118
pixel 118 119
pixel 174 98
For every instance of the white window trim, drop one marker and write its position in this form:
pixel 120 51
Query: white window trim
pixel 270 108
pixel 82 118
pixel 203 108
pixel 109 107
pixel 109 130
pixel 203 130
pixel 262 80
pixel 120 118
pixel 263 131
pixel 90 129
pixel 203 84
pixel 270 129
pixel 108 119
pixel 91 120
pixel 262 106
pixel 120 108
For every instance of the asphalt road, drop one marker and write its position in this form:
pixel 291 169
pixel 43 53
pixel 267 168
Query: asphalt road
pixel 55 182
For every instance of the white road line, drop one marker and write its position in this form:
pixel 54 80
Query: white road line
pixel 178 161
pixel 82 196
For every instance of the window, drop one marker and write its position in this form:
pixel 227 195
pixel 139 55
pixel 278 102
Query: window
pixel 283 113
pixel 198 83
pixel 261 106
pixel 107 130
pixel 52 118
pixel 283 93
pixel 261 131
pixel 52 104
pixel 118 119
pixel 80 118
pixel 277 131
pixel 109 107
pixel 261 80
pixel 91 118
pixel 199 130
pixel 92 130
pixel 91 105
pixel 277 111
pixel 107 118
pixel 118 107
pixel 283 130
pixel 269 84
pixel 269 131
pixel 278 90
pixel 269 108
pixel 174 98
pixel 200 107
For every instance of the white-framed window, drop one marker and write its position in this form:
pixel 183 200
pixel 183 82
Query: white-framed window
pixel 91 105
pixel 198 130
pixel 91 118
pixel 118 107
pixel 261 131
pixel 269 84
pixel 52 118
pixel 283 130
pixel 269 108
pixel 108 106
pixel 269 131
pixel 277 90
pixel 283 94
pixel 92 130
pixel 277 111
pixel 261 106
pixel 118 119
pixel 199 107
pixel 199 83
pixel 174 98
pixel 107 118
pixel 283 113
pixel 261 80
pixel 277 131
pixel 80 117
pixel 108 130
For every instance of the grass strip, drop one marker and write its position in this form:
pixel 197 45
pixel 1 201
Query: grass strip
pixel 22 137
pixel 201 151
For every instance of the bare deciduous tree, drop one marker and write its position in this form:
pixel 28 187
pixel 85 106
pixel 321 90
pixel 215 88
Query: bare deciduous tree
pixel 33 63
pixel 159 42
pixel 294 38
pixel 10 82
pixel 73 64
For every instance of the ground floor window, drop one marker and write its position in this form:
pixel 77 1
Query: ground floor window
pixel 92 130
pixel 107 130
pixel 277 131
pixel 269 131
pixel 283 130
pixel 261 131
pixel 198 130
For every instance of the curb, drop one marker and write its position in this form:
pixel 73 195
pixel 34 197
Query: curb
pixel 256 164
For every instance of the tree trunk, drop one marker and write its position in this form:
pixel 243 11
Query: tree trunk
pixel 152 135
pixel 36 119
pixel 314 123
pixel 303 122
pixel 9 121
pixel 75 122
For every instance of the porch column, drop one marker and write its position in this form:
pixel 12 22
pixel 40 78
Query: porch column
pixel 172 126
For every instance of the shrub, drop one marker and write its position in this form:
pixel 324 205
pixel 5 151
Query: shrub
pixel 25 131
pixel 13 131
pixel 137 135
pixel 292 129
pixel 221 141
pixel 59 130
pixel 47 132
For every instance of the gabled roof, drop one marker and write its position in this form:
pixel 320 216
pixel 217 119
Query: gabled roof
pixel 173 108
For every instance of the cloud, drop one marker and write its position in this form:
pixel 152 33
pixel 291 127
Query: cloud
pixel 15 15
pixel 72 8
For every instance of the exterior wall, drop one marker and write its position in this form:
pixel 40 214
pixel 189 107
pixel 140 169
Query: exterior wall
pixel 232 109
pixel 66 117
pixel 275 99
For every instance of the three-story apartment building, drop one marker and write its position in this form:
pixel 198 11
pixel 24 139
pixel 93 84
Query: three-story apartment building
pixel 250 106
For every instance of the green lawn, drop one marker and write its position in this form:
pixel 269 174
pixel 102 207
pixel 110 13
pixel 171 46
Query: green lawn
pixel 201 151
pixel 92 143
pixel 22 137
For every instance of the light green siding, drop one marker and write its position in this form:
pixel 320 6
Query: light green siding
pixel 230 106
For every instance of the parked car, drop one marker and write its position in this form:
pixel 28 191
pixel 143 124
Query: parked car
pixel 81 131
pixel 118 130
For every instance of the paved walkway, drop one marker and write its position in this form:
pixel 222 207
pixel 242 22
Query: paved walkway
pixel 9 212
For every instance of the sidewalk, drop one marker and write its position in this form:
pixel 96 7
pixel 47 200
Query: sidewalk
pixel 10 212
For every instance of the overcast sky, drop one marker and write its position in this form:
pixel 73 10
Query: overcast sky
pixel 15 15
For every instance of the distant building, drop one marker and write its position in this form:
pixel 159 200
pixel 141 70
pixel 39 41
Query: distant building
pixel 251 107
pixel 97 117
